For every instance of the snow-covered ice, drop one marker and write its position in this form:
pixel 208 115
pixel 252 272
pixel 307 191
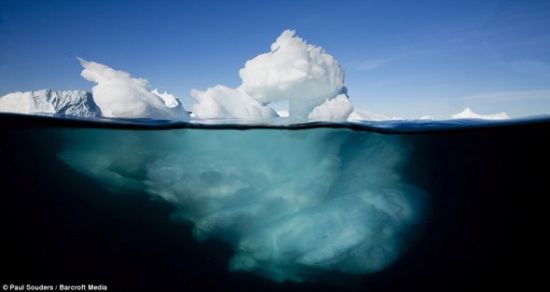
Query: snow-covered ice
pixel 293 70
pixel 467 113
pixel 119 95
pixel 75 103
pixel 222 102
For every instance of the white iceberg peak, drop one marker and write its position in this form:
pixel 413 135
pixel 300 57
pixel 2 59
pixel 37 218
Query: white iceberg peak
pixel 293 70
pixel 119 95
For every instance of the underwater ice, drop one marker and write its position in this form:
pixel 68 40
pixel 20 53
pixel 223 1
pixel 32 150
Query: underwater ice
pixel 293 204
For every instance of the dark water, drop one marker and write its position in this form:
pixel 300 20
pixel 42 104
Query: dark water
pixel 483 227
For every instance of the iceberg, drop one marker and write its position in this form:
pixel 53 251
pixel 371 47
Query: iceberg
pixel 72 103
pixel 116 95
pixel 467 113
pixel 119 95
pixel 306 76
pixel 296 71
pixel 293 204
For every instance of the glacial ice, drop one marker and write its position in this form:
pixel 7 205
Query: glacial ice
pixel 222 102
pixel 337 109
pixel 292 203
pixel 170 101
pixel 467 113
pixel 119 95
pixel 304 75
pixel 293 70
pixel 73 103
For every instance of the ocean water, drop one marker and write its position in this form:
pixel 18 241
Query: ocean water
pixel 134 205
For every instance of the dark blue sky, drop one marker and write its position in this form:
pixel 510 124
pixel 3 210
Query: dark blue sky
pixel 402 58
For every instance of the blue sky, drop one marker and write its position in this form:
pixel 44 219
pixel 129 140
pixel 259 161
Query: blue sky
pixel 401 58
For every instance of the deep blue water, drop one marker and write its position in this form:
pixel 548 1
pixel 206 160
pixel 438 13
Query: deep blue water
pixel 137 205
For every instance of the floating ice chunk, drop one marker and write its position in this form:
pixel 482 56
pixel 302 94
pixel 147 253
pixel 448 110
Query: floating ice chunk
pixel 467 113
pixel 293 70
pixel 223 102
pixel 76 103
pixel 337 109
pixel 121 96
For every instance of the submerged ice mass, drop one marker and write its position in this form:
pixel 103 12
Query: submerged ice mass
pixel 293 204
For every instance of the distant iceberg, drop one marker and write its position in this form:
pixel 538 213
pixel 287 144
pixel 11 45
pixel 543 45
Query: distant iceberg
pixel 467 113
